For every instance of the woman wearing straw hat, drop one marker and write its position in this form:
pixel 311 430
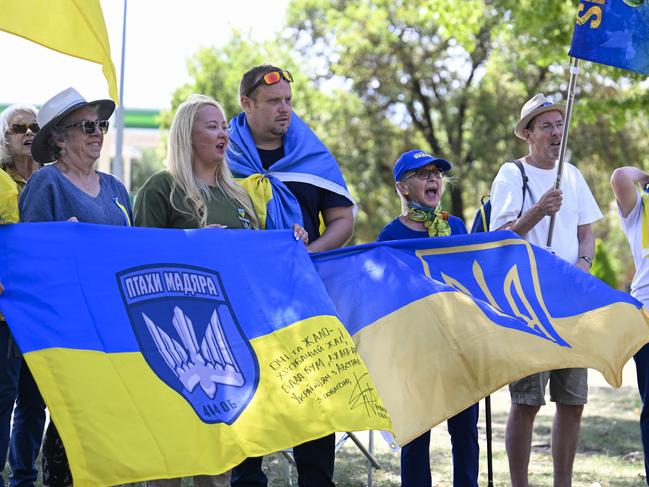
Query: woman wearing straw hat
pixel 419 183
pixel 18 127
pixel 71 135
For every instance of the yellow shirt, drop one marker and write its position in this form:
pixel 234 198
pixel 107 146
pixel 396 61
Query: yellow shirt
pixel 9 190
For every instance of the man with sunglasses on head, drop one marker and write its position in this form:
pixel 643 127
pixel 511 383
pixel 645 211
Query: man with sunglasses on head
pixel 575 209
pixel 278 154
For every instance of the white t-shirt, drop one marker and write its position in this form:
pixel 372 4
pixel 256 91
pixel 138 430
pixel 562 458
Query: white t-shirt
pixel 578 207
pixel 632 226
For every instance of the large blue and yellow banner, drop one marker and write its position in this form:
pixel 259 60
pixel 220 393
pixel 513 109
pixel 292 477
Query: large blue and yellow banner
pixel 613 32
pixel 169 353
pixel 166 353
pixel 440 323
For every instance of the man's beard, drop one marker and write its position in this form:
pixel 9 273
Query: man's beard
pixel 279 131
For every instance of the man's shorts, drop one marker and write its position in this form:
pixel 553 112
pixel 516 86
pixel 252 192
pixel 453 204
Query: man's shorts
pixel 567 386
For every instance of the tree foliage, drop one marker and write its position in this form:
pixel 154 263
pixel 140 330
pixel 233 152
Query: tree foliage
pixel 457 73
pixel 602 267
pixel 375 78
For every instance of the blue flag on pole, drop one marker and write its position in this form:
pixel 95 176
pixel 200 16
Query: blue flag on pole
pixel 613 32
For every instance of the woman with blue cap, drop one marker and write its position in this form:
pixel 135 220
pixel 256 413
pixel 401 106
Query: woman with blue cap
pixel 419 183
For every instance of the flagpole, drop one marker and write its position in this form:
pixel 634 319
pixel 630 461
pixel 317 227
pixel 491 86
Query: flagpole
pixel 118 169
pixel 490 465
pixel 574 71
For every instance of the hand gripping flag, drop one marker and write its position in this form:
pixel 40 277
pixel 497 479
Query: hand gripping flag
pixel 442 322
pixel 613 32
pixel 168 353
pixel 73 27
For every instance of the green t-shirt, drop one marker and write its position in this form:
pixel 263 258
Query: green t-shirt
pixel 153 207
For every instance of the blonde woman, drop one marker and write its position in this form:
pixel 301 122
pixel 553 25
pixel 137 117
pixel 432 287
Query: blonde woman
pixel 196 190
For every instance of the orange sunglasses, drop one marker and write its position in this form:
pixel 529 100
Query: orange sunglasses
pixel 270 79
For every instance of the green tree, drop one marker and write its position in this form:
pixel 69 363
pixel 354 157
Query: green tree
pixel 602 267
pixel 150 161
pixel 457 73
pixel 377 77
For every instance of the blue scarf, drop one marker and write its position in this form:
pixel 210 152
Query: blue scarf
pixel 305 160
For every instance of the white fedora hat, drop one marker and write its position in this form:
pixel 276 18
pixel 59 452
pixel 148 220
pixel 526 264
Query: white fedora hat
pixel 533 107
pixel 54 110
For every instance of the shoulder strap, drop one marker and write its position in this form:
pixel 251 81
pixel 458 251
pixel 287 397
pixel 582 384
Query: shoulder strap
pixel 521 168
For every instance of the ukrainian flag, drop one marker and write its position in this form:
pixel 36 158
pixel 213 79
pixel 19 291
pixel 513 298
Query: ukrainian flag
pixel 613 32
pixel 442 322
pixel 167 353
pixel 73 27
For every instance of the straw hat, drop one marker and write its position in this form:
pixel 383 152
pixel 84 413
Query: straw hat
pixel 533 107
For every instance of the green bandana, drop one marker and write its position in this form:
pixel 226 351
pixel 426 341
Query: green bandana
pixel 434 219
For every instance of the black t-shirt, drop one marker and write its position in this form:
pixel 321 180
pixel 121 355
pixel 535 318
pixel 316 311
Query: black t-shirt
pixel 312 199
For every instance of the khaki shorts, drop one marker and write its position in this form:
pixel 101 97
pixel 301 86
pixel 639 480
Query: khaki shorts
pixel 567 386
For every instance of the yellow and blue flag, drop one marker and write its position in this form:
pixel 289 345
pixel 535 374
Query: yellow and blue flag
pixel 72 27
pixel 306 160
pixel 613 32
pixel 440 323
pixel 168 353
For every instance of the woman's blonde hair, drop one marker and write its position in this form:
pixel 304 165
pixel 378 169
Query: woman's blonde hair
pixel 179 163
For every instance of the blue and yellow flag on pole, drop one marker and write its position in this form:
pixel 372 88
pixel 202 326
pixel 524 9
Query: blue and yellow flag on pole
pixel 613 32
pixel 72 27
pixel 440 323
pixel 167 353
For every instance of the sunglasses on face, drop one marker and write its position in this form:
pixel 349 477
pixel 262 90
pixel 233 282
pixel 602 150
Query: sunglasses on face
pixel 270 79
pixel 89 126
pixel 21 128
pixel 425 174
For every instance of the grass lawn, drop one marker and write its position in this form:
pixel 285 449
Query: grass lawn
pixel 609 452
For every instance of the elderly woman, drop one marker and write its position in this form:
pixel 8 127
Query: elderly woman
pixel 17 129
pixel 71 135
pixel 419 182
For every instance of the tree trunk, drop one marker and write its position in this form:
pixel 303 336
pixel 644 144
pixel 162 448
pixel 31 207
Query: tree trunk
pixel 457 202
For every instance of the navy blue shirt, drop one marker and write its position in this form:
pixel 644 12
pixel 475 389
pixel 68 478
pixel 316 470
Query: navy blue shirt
pixel 395 230
pixel 312 199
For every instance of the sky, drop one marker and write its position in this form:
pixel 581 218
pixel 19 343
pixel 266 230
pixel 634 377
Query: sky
pixel 160 36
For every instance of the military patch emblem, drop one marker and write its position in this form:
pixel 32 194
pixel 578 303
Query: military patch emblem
pixel 190 337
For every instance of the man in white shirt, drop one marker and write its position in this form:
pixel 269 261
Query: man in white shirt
pixel 575 209
pixel 633 209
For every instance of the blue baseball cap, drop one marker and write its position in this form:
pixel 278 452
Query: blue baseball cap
pixel 414 159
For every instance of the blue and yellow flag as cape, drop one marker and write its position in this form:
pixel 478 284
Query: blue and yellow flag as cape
pixel 442 322
pixel 613 32
pixel 306 160
pixel 167 353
